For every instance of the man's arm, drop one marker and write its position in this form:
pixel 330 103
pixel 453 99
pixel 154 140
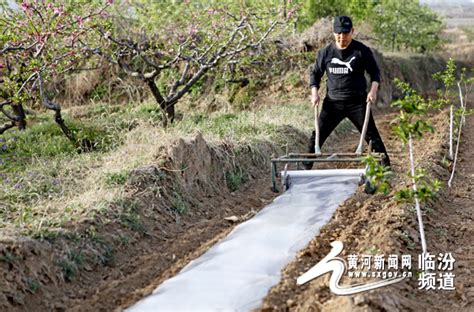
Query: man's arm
pixel 315 99
pixel 374 73
pixel 372 95
pixel 315 76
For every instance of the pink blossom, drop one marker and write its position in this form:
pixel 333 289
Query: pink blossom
pixel 290 13
pixel 2 66
pixel 193 30
pixel 110 2
pixel 80 20
pixel 50 5
pixel 58 10
pixel 40 38
pixel 25 6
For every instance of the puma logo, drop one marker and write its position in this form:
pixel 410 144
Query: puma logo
pixel 335 60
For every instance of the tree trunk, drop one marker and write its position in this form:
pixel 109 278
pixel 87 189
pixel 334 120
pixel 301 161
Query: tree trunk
pixel 168 108
pixel 20 114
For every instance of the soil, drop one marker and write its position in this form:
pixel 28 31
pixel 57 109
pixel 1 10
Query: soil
pixel 364 223
pixel 189 174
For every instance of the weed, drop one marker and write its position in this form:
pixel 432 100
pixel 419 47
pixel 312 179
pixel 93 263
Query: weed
pixel 107 257
pixel 408 240
pixel 33 285
pixel 178 203
pixel 150 112
pixel 128 215
pixel 293 79
pixel 8 257
pixel 446 163
pixel 71 264
pixel 116 178
pixel 242 97
pixel 234 179
pixel 374 250
pixel 440 232
pixel 133 221
pixel 99 92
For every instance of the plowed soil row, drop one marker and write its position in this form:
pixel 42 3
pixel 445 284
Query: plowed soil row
pixel 368 224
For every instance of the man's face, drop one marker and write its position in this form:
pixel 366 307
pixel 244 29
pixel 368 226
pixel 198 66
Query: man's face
pixel 343 39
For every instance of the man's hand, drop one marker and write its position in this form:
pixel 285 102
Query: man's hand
pixel 372 95
pixel 315 99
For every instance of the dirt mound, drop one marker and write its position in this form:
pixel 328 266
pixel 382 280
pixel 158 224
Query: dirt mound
pixel 315 37
pixel 26 265
pixel 173 210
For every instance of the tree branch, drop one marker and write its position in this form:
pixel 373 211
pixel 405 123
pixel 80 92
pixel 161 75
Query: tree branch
pixel 7 126
pixel 6 113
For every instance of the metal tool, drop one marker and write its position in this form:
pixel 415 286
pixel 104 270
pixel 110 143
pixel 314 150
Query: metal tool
pixel 319 157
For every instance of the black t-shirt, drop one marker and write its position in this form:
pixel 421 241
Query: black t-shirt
pixel 345 70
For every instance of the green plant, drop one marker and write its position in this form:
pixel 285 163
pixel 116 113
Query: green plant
pixel 373 250
pixel 71 264
pixel 293 79
pixel 116 178
pixel 8 257
pixel 456 116
pixel 178 203
pixel 33 285
pixel 406 237
pixel 427 188
pixel 377 174
pixel 99 92
pixel 412 124
pixel 128 214
pixel 235 179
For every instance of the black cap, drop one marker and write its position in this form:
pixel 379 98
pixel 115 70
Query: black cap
pixel 342 24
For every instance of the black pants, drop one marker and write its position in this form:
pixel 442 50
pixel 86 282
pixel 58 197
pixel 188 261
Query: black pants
pixel 334 111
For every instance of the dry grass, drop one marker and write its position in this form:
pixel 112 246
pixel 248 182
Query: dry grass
pixel 84 185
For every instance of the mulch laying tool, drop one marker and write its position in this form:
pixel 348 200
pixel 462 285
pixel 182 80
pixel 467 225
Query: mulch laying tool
pixel 296 159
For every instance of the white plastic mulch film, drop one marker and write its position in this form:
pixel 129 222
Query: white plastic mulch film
pixel 237 272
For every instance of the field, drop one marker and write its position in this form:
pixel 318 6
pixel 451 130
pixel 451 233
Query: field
pixel 98 226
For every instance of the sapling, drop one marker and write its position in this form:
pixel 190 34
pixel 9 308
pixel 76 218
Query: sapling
pixel 377 175
pixel 444 97
pixel 461 113
pixel 412 124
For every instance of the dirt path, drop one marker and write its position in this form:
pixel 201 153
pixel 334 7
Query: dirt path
pixel 366 224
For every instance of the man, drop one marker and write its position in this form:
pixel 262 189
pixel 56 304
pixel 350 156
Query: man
pixel 345 61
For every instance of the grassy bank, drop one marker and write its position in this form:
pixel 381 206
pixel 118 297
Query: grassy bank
pixel 47 184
